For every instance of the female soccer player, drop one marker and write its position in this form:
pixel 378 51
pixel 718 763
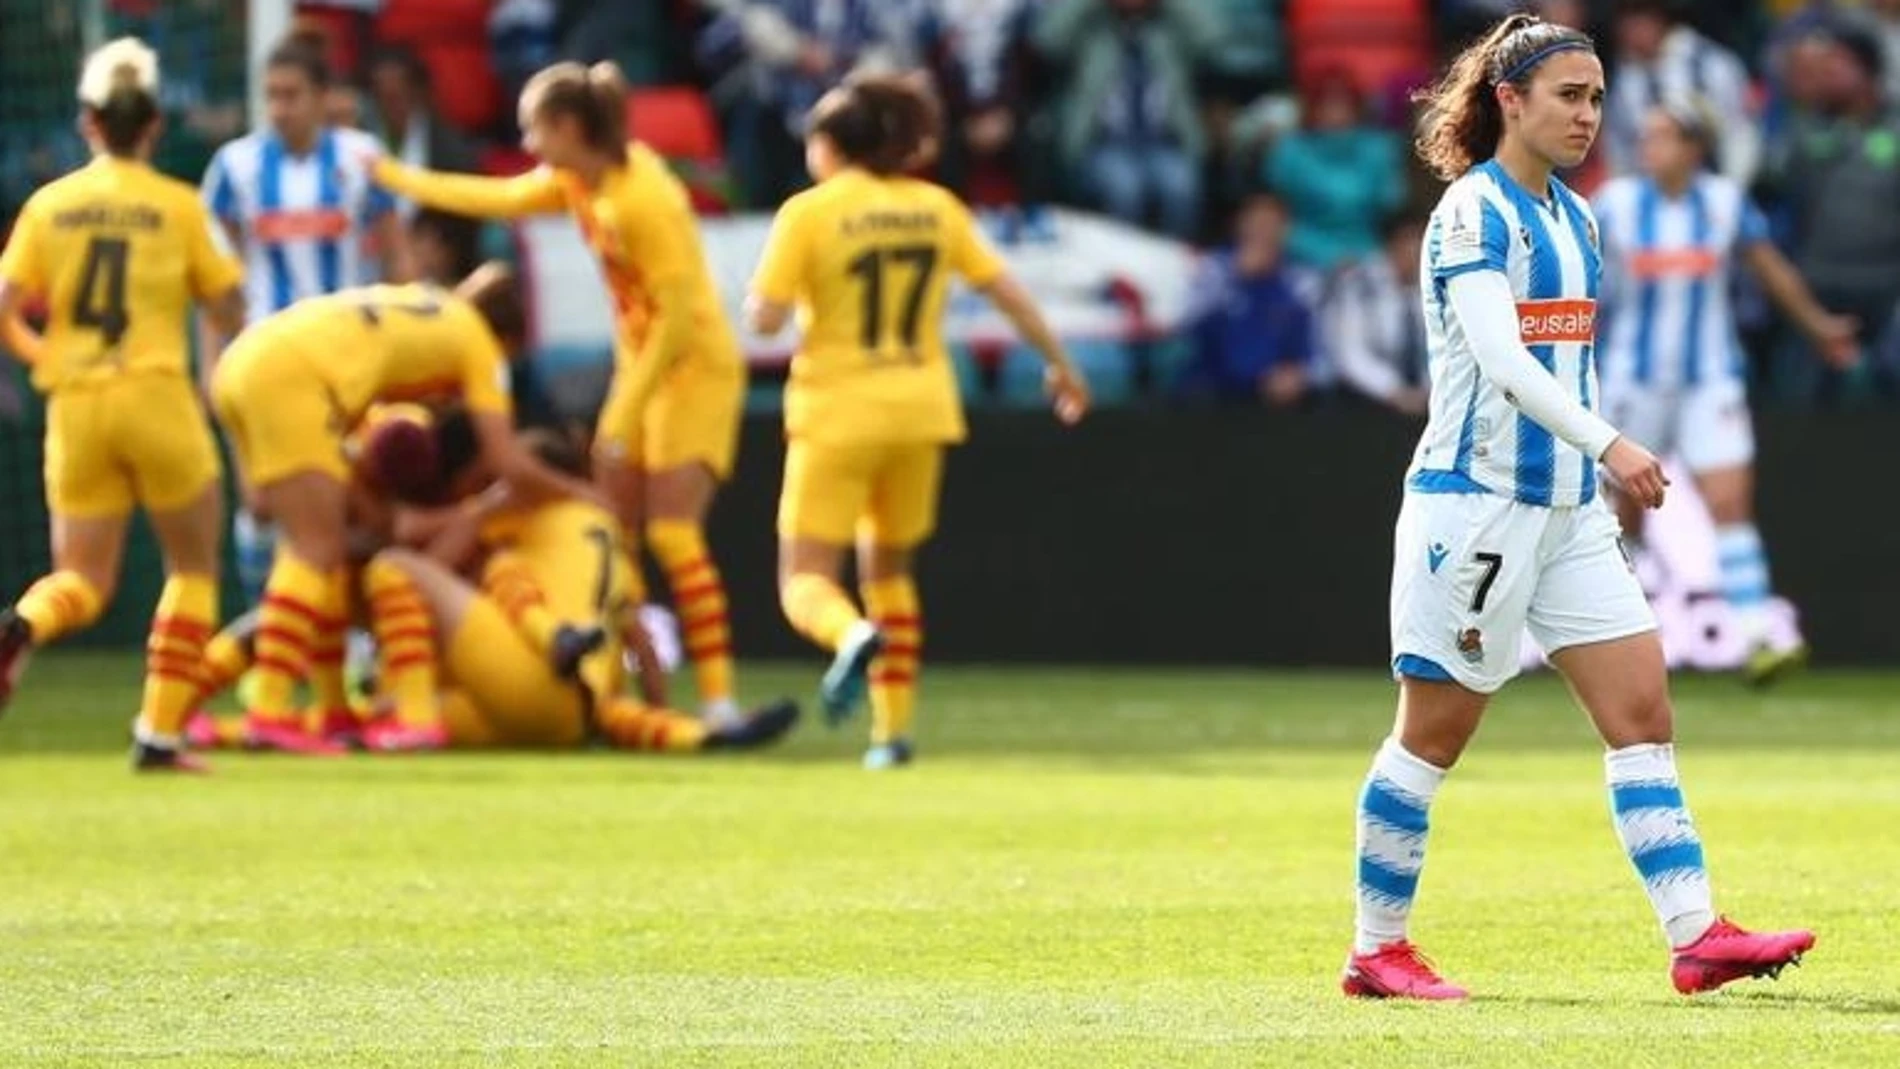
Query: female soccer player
pixel 1671 362
pixel 288 401
pixel 866 258
pixel 670 424
pixel 1501 525
pixel 119 252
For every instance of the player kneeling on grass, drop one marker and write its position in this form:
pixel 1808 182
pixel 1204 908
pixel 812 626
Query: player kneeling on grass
pixel 289 391
pixel 1502 526
pixel 119 252
pixel 532 655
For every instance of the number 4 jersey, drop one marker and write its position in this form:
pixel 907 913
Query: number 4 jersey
pixel 118 251
pixel 867 261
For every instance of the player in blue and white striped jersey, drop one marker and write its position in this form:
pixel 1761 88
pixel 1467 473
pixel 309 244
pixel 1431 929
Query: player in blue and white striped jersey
pixel 1671 358
pixel 1502 527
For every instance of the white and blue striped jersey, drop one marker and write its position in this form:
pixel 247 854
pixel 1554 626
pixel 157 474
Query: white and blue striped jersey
pixel 302 221
pixel 1668 264
pixel 1475 440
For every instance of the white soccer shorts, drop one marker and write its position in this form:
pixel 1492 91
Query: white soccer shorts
pixel 1707 426
pixel 1471 571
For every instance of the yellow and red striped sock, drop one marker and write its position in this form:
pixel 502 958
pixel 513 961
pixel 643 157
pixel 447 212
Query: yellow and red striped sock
pixel 899 618
pixel 405 641
pixel 225 659
pixel 511 582
pixel 174 655
pixel 818 608
pixel 631 725
pixel 299 603
pixel 699 597
pixel 57 605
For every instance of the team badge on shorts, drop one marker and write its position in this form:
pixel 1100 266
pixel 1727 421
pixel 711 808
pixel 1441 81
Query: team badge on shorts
pixel 1471 645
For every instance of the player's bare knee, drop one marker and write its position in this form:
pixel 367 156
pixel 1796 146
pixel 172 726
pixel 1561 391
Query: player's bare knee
pixel 885 562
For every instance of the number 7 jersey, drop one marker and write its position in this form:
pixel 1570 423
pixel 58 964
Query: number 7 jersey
pixel 118 251
pixel 867 261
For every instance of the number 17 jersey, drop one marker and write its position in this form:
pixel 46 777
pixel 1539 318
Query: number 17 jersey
pixel 867 260
pixel 118 251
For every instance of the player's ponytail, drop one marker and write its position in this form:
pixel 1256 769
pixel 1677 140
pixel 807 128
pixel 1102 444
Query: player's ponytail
pixel 119 89
pixel 886 124
pixel 594 97
pixel 1463 120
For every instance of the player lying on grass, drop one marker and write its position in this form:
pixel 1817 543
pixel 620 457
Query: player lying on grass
pixel 1502 527
pixel 532 655
pixel 119 253
pixel 289 390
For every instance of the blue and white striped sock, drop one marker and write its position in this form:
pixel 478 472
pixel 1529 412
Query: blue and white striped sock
pixel 1659 838
pixel 1391 839
pixel 1743 566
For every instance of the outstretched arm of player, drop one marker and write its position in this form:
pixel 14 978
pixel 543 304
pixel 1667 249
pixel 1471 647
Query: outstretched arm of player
pixel 514 464
pixel 1837 337
pixel 534 193
pixel 1067 388
pixel 1482 301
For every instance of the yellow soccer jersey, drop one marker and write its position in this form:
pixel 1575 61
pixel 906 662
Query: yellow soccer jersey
pixel 639 223
pixel 574 549
pixel 395 343
pixel 118 251
pixel 867 261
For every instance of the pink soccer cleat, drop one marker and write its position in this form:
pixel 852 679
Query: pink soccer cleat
pixel 341 727
pixel 1726 953
pixel 286 736
pixel 1397 970
pixel 389 735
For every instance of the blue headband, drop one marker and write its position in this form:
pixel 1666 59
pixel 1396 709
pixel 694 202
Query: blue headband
pixel 1524 65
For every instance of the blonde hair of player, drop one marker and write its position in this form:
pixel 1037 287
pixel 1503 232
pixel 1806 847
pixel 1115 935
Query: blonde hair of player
pixel 127 430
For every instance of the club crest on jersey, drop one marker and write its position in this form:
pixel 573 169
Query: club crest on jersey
pixel 1471 645
pixel 1557 321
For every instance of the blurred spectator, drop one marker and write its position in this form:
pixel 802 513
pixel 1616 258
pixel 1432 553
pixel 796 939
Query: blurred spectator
pixel 978 52
pixel 778 57
pixel 406 119
pixel 523 37
pixel 1840 182
pixel 1660 57
pixel 1253 333
pixel 1128 123
pixel 443 246
pixel 1338 174
pixel 1373 323
pixel 1572 13
pixel 1883 18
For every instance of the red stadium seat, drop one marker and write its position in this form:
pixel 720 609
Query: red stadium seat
pixel 677 121
pixel 451 39
pixel 1378 41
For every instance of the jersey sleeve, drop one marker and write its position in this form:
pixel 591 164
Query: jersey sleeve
pixel 22 264
pixel 536 193
pixel 781 272
pixel 971 254
pixel 219 190
pixel 1468 235
pixel 214 270
pixel 485 385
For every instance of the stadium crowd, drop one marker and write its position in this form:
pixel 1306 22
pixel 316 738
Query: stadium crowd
pixel 1272 133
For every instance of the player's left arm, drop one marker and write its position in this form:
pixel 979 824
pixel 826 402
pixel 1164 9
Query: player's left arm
pixel 22 277
pixel 1836 337
pixel 781 272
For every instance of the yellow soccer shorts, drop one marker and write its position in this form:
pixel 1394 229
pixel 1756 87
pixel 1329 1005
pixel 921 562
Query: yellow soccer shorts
pixel 885 493
pixel 692 418
pixel 140 439
pixel 509 694
pixel 278 412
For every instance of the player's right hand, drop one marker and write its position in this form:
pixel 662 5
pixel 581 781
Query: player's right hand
pixel 1069 393
pixel 1637 471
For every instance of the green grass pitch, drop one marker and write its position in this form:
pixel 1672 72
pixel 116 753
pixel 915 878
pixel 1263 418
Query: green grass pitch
pixel 1091 869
